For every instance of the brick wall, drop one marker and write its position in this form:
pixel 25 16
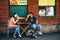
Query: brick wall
pixel 32 7
pixel 4 11
pixel 58 11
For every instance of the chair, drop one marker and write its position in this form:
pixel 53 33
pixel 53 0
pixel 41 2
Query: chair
pixel 8 30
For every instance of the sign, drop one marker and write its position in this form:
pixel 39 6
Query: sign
pixel 46 2
pixel 18 2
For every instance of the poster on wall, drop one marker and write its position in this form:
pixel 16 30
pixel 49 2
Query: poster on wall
pixel 46 8
pixel 18 2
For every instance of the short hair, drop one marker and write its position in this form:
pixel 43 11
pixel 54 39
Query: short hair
pixel 30 13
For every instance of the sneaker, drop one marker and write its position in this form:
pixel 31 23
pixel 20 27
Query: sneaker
pixel 35 36
pixel 40 33
pixel 19 35
pixel 14 36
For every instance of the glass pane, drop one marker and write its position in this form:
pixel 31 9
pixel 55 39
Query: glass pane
pixel 21 10
pixel 46 8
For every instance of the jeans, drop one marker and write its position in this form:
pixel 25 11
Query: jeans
pixel 17 29
pixel 36 26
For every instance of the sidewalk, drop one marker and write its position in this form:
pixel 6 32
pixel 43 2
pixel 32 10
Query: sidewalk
pixel 50 36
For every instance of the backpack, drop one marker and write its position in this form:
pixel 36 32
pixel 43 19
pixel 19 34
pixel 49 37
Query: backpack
pixel 32 34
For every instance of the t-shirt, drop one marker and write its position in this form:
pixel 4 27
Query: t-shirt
pixel 11 22
pixel 41 13
pixel 32 20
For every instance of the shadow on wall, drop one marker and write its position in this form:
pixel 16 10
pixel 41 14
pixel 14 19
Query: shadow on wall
pixel 45 28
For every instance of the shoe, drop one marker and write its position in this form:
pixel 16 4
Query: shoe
pixel 35 36
pixel 20 36
pixel 27 34
pixel 14 36
pixel 40 33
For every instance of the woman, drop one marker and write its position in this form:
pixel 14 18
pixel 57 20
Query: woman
pixel 13 25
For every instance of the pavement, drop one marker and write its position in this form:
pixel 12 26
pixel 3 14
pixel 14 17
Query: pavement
pixel 46 36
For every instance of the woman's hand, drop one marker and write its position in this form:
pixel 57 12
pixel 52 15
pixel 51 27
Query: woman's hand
pixel 28 16
pixel 18 17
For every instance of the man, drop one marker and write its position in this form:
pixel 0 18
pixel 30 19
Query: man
pixel 34 22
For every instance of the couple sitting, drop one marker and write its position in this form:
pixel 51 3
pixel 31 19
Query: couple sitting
pixel 13 23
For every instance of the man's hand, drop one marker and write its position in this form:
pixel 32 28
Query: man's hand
pixel 27 17
pixel 36 21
